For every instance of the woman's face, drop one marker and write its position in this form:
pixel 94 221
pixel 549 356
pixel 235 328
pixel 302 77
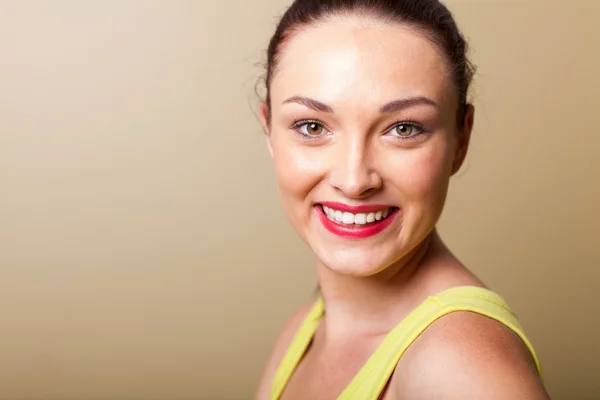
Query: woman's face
pixel 364 140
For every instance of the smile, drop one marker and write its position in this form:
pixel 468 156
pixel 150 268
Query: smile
pixel 356 222
pixel 347 218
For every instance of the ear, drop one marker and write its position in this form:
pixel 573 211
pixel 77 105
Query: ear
pixel 263 115
pixel 464 137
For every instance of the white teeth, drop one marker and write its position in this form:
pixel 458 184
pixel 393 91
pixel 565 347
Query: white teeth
pixel 358 219
pixel 348 218
pixel 339 217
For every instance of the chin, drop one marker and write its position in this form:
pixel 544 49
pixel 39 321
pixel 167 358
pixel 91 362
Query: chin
pixel 356 260
pixel 344 254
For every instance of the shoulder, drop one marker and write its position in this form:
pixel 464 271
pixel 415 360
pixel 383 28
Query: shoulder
pixel 279 349
pixel 467 355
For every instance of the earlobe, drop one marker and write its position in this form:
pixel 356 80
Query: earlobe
pixel 269 146
pixel 263 114
pixel 464 137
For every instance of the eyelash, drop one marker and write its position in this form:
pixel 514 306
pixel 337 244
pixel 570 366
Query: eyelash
pixel 296 125
pixel 408 122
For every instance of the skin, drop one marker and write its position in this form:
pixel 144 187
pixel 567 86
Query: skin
pixel 358 156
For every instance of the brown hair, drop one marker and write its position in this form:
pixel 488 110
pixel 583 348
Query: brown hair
pixel 430 17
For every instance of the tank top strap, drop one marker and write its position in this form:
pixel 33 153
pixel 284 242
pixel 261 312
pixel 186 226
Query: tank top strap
pixel 371 380
pixel 296 349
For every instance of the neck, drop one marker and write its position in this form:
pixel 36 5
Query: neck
pixel 373 305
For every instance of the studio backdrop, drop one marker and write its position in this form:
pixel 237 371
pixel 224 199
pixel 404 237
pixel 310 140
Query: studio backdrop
pixel 143 251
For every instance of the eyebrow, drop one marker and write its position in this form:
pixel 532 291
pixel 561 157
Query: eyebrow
pixel 392 106
pixel 401 104
pixel 310 103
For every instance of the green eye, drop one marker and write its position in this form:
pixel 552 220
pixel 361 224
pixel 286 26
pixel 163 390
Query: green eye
pixel 405 130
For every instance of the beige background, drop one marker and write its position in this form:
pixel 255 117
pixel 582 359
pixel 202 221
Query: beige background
pixel 143 252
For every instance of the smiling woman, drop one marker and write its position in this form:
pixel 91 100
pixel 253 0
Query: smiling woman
pixel 367 120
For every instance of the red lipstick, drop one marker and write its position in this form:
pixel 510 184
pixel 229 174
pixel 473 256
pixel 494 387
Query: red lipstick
pixel 355 231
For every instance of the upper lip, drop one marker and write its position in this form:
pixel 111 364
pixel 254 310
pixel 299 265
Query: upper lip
pixel 366 208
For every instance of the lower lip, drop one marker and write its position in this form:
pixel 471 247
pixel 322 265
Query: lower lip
pixel 355 231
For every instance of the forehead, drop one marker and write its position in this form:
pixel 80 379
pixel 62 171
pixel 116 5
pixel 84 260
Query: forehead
pixel 366 61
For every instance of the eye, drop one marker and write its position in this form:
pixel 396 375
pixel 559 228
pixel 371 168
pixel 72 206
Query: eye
pixel 310 128
pixel 406 130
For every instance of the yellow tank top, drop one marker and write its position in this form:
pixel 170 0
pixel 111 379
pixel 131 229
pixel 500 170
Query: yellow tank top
pixel 372 378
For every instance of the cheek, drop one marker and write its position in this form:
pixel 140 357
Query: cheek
pixel 422 176
pixel 298 170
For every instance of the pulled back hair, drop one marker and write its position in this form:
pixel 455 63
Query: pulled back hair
pixel 429 17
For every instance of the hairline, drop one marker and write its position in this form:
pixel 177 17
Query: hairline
pixel 357 14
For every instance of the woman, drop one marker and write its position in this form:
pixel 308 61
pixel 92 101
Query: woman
pixel 367 119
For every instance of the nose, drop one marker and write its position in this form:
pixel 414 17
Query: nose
pixel 353 171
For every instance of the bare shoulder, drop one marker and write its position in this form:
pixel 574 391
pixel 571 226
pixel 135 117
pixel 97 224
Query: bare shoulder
pixel 466 355
pixel 279 349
